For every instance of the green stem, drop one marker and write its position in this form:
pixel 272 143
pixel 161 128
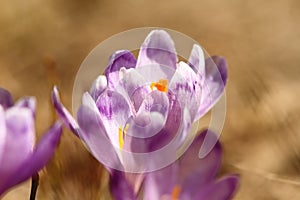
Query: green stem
pixel 34 186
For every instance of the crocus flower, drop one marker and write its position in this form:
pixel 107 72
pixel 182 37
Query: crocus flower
pixel 189 178
pixel 19 159
pixel 140 105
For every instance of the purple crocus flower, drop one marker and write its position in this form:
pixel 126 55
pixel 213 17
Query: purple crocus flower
pixel 141 105
pixel 189 178
pixel 19 159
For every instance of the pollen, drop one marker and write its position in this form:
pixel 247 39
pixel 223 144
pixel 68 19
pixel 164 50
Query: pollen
pixel 161 85
pixel 176 192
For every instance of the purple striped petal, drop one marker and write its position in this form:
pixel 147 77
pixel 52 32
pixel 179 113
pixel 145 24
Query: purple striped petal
pixel 94 134
pixel 118 60
pixel 185 85
pixel 114 112
pixel 149 121
pixel 224 189
pixel 159 48
pixel 120 188
pixel 196 173
pixel 36 161
pixel 214 83
pixel 63 113
pixel 99 85
pixel 197 61
pixel 5 98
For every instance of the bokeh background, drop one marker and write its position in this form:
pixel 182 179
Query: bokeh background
pixel 44 42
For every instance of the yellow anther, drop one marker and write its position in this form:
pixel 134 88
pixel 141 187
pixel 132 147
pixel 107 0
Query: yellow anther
pixel 175 192
pixel 121 138
pixel 161 85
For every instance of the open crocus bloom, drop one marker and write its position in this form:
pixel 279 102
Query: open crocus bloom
pixel 189 178
pixel 19 159
pixel 141 105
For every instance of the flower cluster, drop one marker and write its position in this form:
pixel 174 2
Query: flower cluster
pixel 148 104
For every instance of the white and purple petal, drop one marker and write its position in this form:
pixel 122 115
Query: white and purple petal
pixel 214 83
pixel 120 59
pixel 197 61
pixel 94 134
pixel 99 85
pixel 159 48
pixel 185 85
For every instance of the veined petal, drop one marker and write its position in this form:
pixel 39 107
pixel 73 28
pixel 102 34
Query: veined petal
pixel 186 86
pixel 99 85
pixel 159 48
pixel 195 173
pixel 63 113
pixel 119 59
pixel 5 98
pixel 214 83
pixel 94 134
pixel 114 112
pixel 224 189
pixel 148 122
pixel 37 160
pixel 197 61
pixel 120 187
pixel 19 140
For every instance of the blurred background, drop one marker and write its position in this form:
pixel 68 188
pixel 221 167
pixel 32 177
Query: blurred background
pixel 44 42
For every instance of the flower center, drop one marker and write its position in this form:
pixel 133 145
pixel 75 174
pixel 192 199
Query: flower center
pixel 161 85
pixel 121 136
pixel 175 192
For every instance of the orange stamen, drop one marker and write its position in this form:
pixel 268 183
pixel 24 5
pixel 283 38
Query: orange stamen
pixel 176 192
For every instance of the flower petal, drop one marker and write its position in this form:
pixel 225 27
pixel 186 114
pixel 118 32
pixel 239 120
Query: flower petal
pixel 27 102
pixel 99 85
pixel 159 48
pixel 19 139
pixel 160 183
pixel 5 98
pixel 195 172
pixel 214 83
pixel 120 187
pixel 63 113
pixel 2 132
pixel 37 160
pixel 197 61
pixel 94 134
pixel 149 121
pixel 114 112
pixel 119 59
pixel 185 85
pixel 224 189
